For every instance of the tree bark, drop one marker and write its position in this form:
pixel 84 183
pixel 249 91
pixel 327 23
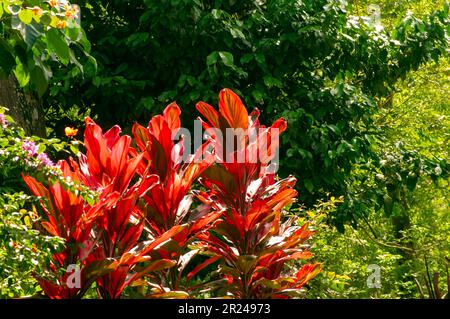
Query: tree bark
pixel 25 108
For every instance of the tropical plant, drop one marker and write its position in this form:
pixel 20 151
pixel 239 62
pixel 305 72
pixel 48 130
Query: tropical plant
pixel 168 204
pixel 254 237
pixel 321 64
pixel 141 230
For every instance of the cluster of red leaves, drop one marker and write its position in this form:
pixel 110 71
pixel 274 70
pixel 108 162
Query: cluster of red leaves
pixel 139 230
pixel 253 240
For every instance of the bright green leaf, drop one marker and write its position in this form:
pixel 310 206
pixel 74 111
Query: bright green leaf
pixel 26 16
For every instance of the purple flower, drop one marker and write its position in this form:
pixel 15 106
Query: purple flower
pixel 43 158
pixel 30 147
pixel 3 121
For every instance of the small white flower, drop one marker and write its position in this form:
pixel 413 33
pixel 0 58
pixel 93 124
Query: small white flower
pixel 438 170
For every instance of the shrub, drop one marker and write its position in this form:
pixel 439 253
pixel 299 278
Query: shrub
pixel 143 230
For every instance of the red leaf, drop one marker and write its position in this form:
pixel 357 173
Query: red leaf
pixel 209 113
pixel 172 115
pixel 204 221
pixel 201 266
pixel 232 109
pixel 141 136
pixel 37 188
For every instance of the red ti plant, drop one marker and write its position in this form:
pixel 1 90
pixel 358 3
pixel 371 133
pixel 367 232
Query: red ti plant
pixel 253 237
pixel 108 167
pixel 105 240
pixel 68 216
pixel 168 204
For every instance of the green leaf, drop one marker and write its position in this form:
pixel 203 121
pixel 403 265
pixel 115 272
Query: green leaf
pixel 236 33
pixel 258 96
pixel 411 181
pixel 21 73
pixel 246 263
pixel 74 60
pixel 308 185
pixel 31 32
pixel 270 81
pixel 260 58
pixel 246 58
pixel 82 39
pixel 26 16
pixel 388 205
pixel 39 81
pixel 212 58
pixel 227 58
pixel 74 34
pixel 47 72
pixel 57 44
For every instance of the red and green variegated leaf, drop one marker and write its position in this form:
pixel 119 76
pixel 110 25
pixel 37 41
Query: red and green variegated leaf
pixel 153 266
pixel 119 155
pixel 277 257
pixel 229 231
pixel 158 157
pixel 298 255
pixel 156 125
pixel 201 266
pixel 125 175
pixel 271 190
pixel 98 209
pixel 282 199
pixel 258 212
pixel 306 273
pixel 221 177
pixel 141 136
pixel 172 116
pixel 254 118
pixel 218 247
pixel 246 263
pixel 232 109
pixel 169 295
pixel 138 253
pixel 50 229
pixel 237 220
pixel 266 283
pixel 299 236
pixel 204 221
pixel 99 268
pixel 209 113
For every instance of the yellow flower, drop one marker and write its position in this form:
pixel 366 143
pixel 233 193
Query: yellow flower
pixel 61 24
pixel 70 131
pixel 37 11
pixel 53 3
pixel 70 12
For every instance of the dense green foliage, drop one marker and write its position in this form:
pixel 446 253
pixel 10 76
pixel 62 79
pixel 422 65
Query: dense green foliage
pixel 35 34
pixel 326 70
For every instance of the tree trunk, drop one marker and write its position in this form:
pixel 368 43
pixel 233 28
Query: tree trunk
pixel 24 108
